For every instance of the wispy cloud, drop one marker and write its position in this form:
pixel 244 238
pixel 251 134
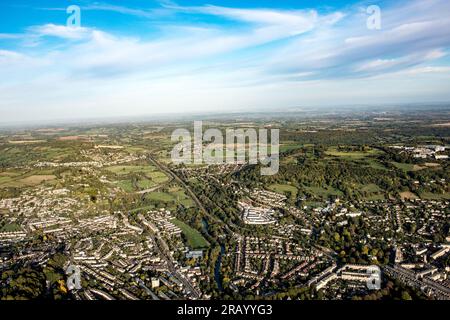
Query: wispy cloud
pixel 59 31
pixel 271 56
pixel 143 13
pixel 149 13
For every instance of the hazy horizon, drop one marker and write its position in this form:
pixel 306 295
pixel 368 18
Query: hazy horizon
pixel 135 58
pixel 296 112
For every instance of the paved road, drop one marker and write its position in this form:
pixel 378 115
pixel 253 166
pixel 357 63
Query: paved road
pixel 173 175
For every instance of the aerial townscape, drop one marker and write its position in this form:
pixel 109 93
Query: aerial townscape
pixel 353 191
pixel 225 158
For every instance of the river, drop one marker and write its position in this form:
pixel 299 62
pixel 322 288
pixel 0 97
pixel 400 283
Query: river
pixel 218 265
pixel 217 268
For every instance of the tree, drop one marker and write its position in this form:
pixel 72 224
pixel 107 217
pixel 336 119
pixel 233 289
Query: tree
pixel 406 296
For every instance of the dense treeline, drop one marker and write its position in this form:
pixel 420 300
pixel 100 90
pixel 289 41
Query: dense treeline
pixel 312 169
pixel 35 282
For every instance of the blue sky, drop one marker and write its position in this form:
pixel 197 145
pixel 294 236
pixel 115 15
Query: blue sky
pixel 141 57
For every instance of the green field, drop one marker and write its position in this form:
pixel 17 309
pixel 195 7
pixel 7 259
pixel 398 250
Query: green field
pixel 404 166
pixel 182 198
pixel 323 192
pixel 143 209
pixel 148 177
pixel 373 163
pixel 10 227
pixel 375 197
pixel 434 196
pixel 370 188
pixel 124 170
pixel 28 179
pixel 289 146
pixel 157 177
pixel 126 185
pixel 283 188
pixel 352 155
pixel 174 196
pixel 373 192
pixel 53 153
pixel 146 184
pixel 194 238
pixel 160 196
pixel 135 149
pixel 5 179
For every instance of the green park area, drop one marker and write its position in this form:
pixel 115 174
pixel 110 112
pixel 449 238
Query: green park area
pixel 283 189
pixel 194 238
pixel 352 155
pixel 323 192
pixel 171 198
pixel 124 170
pixel 10 227
pixel 144 177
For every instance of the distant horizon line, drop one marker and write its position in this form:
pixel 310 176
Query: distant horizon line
pixel 191 115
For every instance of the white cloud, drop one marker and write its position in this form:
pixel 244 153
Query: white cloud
pixel 425 70
pixel 349 49
pixel 378 64
pixel 401 62
pixel 313 59
pixel 435 54
pixel 430 70
pixel 60 31
pixel 10 56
